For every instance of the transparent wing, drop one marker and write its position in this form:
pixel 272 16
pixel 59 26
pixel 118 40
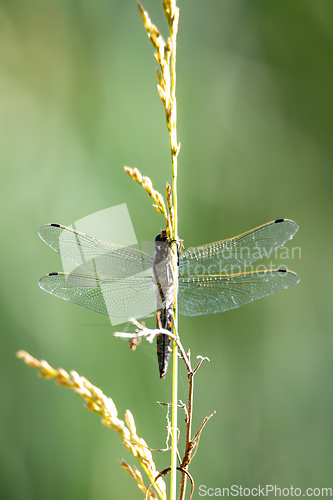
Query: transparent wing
pixel 133 296
pixel 213 294
pixel 237 252
pixel 105 259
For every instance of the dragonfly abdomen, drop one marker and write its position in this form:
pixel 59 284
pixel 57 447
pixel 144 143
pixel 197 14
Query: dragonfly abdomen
pixel 163 342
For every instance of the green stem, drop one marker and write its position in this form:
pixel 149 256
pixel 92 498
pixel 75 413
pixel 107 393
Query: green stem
pixel 173 481
pixel 174 154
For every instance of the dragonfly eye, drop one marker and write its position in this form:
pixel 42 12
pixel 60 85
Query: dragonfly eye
pixel 162 236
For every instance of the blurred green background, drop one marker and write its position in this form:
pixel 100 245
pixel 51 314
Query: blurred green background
pixel 78 101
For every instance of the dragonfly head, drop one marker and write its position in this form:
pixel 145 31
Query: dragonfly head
pixel 161 238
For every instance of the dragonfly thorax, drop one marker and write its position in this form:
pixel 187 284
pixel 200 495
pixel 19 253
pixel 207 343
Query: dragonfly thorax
pixel 162 269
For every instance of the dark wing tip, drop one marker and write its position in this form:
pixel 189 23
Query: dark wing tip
pixel 41 230
pixel 291 223
pixel 52 274
pixel 291 275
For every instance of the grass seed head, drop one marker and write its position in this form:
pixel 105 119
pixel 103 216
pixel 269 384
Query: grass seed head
pixel 129 419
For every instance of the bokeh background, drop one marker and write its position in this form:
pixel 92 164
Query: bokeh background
pixel 77 103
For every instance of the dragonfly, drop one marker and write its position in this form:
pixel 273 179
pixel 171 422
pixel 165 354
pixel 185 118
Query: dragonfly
pixel 124 282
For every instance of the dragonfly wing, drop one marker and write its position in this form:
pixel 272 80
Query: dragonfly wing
pixel 133 296
pixel 213 294
pixel 238 252
pixel 105 259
